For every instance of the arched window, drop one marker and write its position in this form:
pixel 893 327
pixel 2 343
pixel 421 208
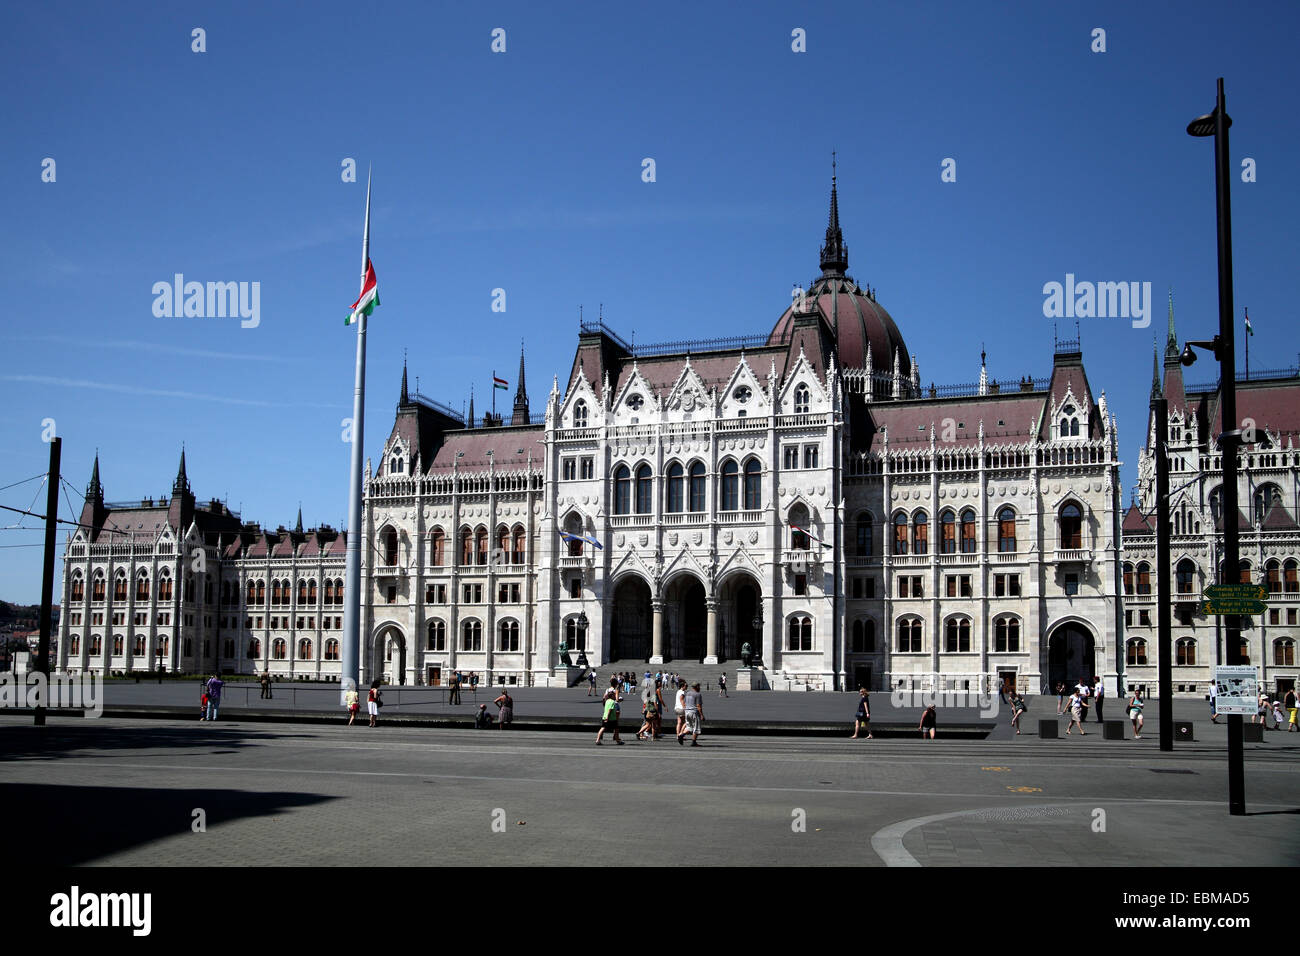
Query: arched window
pixel 1290 578
pixel 311 592
pixel 675 489
pixel 1136 653
pixel 78 587
pixel 117 645
pixel 1144 578
pixel 753 485
pixel 1071 519
pixel 437 636
pixel 502 553
pixel 909 635
pixel 1006 635
pixel 799 633
pixel 398 466
pixel 1006 530
pixel 252 593
pixel 580 414
pixel 1186 576
pixel 437 548
pixel 947 532
pixel 389 536
pixel 517 556
pixel 920 533
pixel 164 586
pixel 97 587
pixel 119 587
pixel 1284 652
pixel 471 636
pixel 508 636
pixel 1273 575
pixel 573 528
pixel 1265 496
pixel 1128 577
pixel 862 536
pixel 864 637
pixel 801 399
pixel 254 648
pixel 644 490
pixel 278 649
pixel 275 592
pixel 575 634
pixel 139 645
pixel 730 486
pixel 466 546
pixel 956 635
pixel 96 645
pixel 302 592
pixel 1185 652
pixel 900 533
pixel 1069 422
pixel 304 649
pixel 261 593
pixel 697 485
pixel 622 490
pixel 799 539
pixel 142 586
pixel 481 546
pixel 207 590
pixel 74 645
pixel 332 649
pixel 338 590
pixel 1244 645
pixel 1243 573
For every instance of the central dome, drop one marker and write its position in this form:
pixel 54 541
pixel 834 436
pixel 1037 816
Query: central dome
pixel 853 317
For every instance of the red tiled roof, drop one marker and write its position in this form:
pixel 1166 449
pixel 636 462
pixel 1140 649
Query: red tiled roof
pixel 511 447
pixel 909 422
pixel 1278 519
pixel 1137 523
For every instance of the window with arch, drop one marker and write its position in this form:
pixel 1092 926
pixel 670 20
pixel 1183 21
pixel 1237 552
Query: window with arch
pixel 1069 422
pixel 697 486
pixel 304 649
pixel 802 399
pixel 142 586
pixel 579 414
pixel 1185 576
pixel 1243 573
pixel 78 587
pixel 753 485
pixel 956 635
pixel 1135 652
pixel 332 649
pixel 279 649
pixel 261 593
pixel 96 645
pixel 799 633
pixel 1128 577
pixel 508 636
pixel 481 546
pixel 1143 578
pixel 575 634
pixel 799 538
pixel 1265 496
pixel 119 587
pixel 254 648
pixel 97 587
pixel 1185 652
pixel 302 591
pixel 622 490
pixel 920 533
pixel 389 538
pixel 675 489
pixel 1216 505
pixel 517 555
pixel 74 645
pixel 466 546
pixel 1273 576
pixel 275 592
pixel 471 636
pixel 1006 635
pixel 1290 576
pixel 1244 645
pixel 437 636
pixel 573 528
pixel 1006 530
pixel 1071 524
pixel 644 490
pixel 900 533
pixel 437 548
pixel 730 497
pixel 503 540
pixel 864 637
pixel 397 466
pixel 862 536
pixel 968 545
pixel 338 590
pixel 909 635
pixel 138 646
pixel 118 645
pixel 164 586
pixel 947 532
pixel 1284 652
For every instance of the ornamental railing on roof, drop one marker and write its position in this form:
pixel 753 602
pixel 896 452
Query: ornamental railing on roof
pixel 438 407
pixel 720 344
pixel 600 328
pixel 1256 375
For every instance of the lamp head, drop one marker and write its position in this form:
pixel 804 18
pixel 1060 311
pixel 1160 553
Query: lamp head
pixel 1188 356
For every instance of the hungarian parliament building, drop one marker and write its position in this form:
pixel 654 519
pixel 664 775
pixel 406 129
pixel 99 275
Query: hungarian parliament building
pixel 801 492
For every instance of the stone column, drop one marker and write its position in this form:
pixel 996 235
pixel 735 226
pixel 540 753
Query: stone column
pixel 711 639
pixel 657 643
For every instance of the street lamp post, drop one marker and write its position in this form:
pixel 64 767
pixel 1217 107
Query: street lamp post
pixel 1216 124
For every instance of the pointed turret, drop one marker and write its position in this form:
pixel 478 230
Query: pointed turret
pixel 297 528
pixel 834 254
pixel 94 490
pixel 1171 342
pixel 182 484
pixel 469 423
pixel 404 398
pixel 520 415
pixel 1155 371
pixel 984 373
pixel 181 508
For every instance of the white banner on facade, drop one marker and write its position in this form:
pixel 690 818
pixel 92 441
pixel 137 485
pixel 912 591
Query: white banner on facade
pixel 1237 690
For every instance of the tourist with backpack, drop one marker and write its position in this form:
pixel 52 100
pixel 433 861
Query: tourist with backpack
pixel 609 717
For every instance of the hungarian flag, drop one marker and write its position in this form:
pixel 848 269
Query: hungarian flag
pixel 500 383
pixel 369 297
pixel 1249 329
pixel 813 537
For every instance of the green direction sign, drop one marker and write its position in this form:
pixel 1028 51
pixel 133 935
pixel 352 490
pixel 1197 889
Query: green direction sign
pixel 1237 592
pixel 1219 607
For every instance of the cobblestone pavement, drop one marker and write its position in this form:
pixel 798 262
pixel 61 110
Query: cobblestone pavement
pixel 126 792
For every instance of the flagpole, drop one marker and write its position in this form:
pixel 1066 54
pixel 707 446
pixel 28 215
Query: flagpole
pixel 351 650
pixel 1247 338
pixel 494 390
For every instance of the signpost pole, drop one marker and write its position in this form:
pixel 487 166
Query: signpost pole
pixel 1164 625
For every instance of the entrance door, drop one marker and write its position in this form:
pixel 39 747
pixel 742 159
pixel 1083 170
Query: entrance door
pixel 435 675
pixel 1284 684
pixel 862 676
pixel 1070 656
pixel 1007 680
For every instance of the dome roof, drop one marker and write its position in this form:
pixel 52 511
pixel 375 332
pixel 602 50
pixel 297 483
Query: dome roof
pixel 852 315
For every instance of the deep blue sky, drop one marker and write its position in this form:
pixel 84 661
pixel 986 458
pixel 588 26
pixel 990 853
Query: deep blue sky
pixel 522 171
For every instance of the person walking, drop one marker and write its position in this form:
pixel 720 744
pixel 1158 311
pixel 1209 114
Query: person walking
pixel 862 719
pixel 693 701
pixel 1084 689
pixel 1076 713
pixel 1135 713
pixel 1060 698
pixel 1290 702
pixel 659 710
pixel 1098 693
pixel 373 702
pixel 1261 711
pixel 1003 687
pixel 679 708
pixel 505 707
pixel 215 684
pixel 609 717
pixel 1018 707
pixel 350 700
pixel 1214 701
pixel 722 686
pixel 929 722
pixel 453 693
pixel 266 685
pixel 591 683
pixel 473 684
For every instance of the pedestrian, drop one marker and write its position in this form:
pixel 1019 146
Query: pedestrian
pixel 453 693
pixel 693 701
pixel 1135 713
pixel 862 719
pixel 266 685
pixel 1098 692
pixel 609 717
pixel 929 722
pixel 1290 702
pixel 1003 687
pixel 722 686
pixel 1214 701
pixel 1018 707
pixel 1279 718
pixel 215 684
pixel 505 708
pixel 482 719
pixel 350 700
pixel 679 708
pixel 1261 711
pixel 203 701
pixel 659 710
pixel 648 709
pixel 1060 698
pixel 374 700
pixel 473 683
pixel 591 683
pixel 1084 689
pixel 1075 706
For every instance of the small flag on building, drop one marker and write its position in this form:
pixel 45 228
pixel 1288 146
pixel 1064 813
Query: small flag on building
pixel 813 537
pixel 368 299
pixel 500 383
pixel 567 536
pixel 1250 330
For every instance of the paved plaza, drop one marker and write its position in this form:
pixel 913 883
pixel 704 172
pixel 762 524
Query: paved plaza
pixel 125 791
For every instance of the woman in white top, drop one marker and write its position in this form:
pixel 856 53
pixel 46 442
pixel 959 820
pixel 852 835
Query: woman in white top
pixel 679 707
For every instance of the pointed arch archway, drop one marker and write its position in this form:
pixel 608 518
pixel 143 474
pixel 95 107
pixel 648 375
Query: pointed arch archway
pixel 738 596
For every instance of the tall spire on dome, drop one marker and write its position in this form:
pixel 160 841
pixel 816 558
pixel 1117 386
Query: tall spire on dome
pixel 405 398
pixel 1171 342
pixel 470 423
pixel 1155 370
pixel 182 483
pixel 520 414
pixel 834 254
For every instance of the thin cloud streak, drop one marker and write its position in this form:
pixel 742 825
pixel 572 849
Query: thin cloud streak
pixel 160 392
pixel 147 347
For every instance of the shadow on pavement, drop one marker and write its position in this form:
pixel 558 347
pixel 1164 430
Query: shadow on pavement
pixel 56 739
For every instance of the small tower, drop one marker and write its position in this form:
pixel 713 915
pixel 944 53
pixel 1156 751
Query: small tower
pixel 404 398
pixel 834 253
pixel 520 414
